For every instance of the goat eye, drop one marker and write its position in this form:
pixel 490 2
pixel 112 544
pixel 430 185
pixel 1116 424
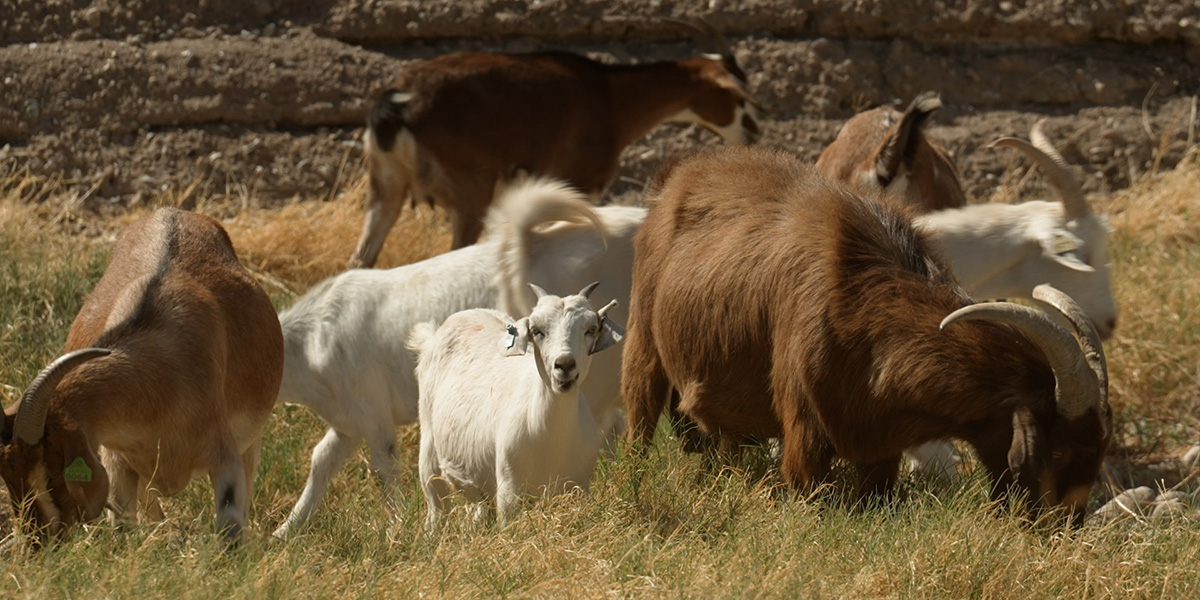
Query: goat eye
pixel 591 331
pixel 535 332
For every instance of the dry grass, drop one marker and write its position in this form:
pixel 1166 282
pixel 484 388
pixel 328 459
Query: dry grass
pixel 654 526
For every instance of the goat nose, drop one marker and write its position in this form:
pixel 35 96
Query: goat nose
pixel 564 363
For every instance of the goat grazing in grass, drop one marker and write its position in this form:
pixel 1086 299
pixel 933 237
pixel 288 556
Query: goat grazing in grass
pixel 782 304
pixel 171 369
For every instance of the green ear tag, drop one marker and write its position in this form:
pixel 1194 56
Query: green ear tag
pixel 78 471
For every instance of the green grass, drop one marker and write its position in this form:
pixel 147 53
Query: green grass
pixel 658 525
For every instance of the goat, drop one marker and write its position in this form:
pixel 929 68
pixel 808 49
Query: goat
pixel 885 149
pixel 453 128
pixel 780 303
pixel 492 424
pixel 1004 250
pixel 344 339
pixel 171 368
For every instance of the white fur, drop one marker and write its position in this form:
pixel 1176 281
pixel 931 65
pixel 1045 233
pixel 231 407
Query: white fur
pixel 500 423
pixel 344 349
pixel 1003 251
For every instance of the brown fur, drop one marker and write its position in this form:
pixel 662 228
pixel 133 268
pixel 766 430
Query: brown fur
pixel 479 119
pixel 878 146
pixel 779 303
pixel 195 367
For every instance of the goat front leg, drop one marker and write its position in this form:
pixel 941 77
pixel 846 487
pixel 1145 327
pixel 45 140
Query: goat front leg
pixel 327 459
pixel 385 198
pixel 877 479
pixel 124 484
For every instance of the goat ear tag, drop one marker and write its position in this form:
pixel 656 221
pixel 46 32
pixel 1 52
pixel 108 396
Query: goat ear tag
pixel 78 471
pixel 512 336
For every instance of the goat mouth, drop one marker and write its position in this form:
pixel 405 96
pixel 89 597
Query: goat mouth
pixel 565 385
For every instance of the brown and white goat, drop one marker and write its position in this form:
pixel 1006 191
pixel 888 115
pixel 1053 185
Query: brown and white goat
pixel 171 369
pixel 779 304
pixel 450 129
pixel 886 149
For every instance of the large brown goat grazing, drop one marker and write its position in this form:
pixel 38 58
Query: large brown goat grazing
pixel 171 369
pixel 779 303
pixel 883 148
pixel 450 129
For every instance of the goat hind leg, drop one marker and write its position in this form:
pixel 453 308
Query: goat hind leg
pixel 382 445
pixel 229 490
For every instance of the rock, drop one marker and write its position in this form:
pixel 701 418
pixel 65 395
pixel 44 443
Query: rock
pixel 1171 509
pixel 1191 460
pixel 1132 501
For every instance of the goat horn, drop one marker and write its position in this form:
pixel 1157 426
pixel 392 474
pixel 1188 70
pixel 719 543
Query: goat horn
pixel 537 291
pixel 711 34
pixel 1089 339
pixel 1053 166
pixel 1077 386
pixel 587 291
pixel 30 423
pixel 602 313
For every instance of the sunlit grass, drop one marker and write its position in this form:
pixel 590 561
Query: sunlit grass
pixel 658 525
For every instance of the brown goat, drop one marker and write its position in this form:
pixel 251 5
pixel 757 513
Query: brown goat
pixel 172 367
pixel 886 149
pixel 779 303
pixel 452 128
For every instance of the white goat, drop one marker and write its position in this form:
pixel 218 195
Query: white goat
pixel 344 340
pixel 493 425
pixel 1006 250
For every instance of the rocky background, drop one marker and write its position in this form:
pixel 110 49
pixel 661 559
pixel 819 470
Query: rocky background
pixel 126 99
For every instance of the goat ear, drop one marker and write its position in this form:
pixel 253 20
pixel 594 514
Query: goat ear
pixel 1024 453
pixel 610 333
pixel 516 338
pixel 1057 246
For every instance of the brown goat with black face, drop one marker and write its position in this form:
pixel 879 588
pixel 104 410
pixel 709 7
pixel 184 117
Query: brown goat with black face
pixel 172 368
pixel 454 127
pixel 883 148
pixel 779 303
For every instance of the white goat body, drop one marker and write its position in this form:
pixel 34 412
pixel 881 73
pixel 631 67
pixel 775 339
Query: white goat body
pixel 345 356
pixel 500 422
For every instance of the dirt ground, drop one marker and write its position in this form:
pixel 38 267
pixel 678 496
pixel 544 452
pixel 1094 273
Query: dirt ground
pixel 265 99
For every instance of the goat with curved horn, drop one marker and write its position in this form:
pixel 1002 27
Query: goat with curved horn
pixel 1053 166
pixel 30 424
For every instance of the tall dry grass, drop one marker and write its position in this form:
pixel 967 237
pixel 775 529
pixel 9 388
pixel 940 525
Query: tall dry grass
pixel 657 525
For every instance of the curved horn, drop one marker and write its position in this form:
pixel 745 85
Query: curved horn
pixel 1089 338
pixel 1053 166
pixel 587 291
pixel 537 291
pixel 30 423
pixel 1077 387
pixel 711 34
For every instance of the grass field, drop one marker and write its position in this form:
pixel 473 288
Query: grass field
pixel 654 526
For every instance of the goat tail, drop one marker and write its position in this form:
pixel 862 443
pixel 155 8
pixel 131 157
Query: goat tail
pixel 419 336
pixel 522 212
pixel 387 118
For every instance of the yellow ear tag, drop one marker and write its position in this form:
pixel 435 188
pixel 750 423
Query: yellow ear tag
pixel 78 471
